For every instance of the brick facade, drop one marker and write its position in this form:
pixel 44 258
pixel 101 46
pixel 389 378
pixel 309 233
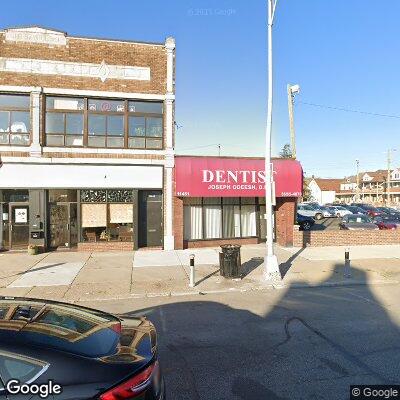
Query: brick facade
pixel 94 51
pixel 345 238
pixel 284 220
pixel 105 246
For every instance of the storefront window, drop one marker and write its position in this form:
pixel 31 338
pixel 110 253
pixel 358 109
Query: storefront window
pixel 212 217
pixel 107 215
pixel 193 218
pixel 216 218
pixel 64 121
pixel 15 125
pixel 62 195
pixel 101 123
pixel 231 217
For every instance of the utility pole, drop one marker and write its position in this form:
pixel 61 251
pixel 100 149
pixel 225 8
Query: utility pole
pixel 219 150
pixel 292 90
pixel 271 265
pixel 358 180
pixel 388 183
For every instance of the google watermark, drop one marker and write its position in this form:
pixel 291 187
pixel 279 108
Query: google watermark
pixel 43 390
pixel 361 392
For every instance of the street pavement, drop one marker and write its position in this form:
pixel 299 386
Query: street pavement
pixel 84 276
pixel 295 343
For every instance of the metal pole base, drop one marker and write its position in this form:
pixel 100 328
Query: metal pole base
pixel 272 272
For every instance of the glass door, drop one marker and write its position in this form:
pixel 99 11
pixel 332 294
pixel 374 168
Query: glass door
pixel 63 225
pixel 59 229
pixel 19 225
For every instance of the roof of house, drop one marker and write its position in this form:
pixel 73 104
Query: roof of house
pixel 332 185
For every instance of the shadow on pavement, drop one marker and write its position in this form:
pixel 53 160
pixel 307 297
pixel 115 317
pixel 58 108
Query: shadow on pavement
pixel 308 343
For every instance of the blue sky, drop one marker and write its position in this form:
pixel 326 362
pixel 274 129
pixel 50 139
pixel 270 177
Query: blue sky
pixel 342 53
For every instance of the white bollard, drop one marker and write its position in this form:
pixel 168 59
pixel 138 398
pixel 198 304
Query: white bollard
pixel 192 277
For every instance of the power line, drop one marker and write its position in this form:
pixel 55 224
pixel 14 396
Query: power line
pixel 348 110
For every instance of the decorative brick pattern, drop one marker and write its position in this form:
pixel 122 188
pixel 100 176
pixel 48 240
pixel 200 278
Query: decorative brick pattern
pixel 345 238
pixel 90 51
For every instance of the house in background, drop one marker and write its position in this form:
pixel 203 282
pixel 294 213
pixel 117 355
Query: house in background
pixel 324 190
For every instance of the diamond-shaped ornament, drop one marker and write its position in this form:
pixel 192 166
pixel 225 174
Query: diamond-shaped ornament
pixel 104 71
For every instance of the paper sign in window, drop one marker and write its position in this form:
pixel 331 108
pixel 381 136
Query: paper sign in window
pixel 121 213
pixel 94 215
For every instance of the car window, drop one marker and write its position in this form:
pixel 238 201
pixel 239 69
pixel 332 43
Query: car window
pixel 70 322
pixel 25 369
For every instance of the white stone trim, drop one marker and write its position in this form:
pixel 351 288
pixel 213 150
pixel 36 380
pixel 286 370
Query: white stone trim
pixel 76 160
pixel 100 93
pixel 80 92
pixel 7 148
pixel 168 199
pixel 35 149
pixel 35 35
pixel 102 71
pixel 87 150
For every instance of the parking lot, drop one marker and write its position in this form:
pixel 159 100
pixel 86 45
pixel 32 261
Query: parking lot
pixel 326 224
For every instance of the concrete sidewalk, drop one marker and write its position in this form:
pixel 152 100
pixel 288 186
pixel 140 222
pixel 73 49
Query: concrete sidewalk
pixel 84 276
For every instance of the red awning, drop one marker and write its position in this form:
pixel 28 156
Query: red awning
pixel 235 177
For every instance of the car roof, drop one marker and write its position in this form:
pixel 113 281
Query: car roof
pixel 56 325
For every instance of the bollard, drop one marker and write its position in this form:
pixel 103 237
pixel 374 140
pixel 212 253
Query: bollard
pixel 347 268
pixel 192 277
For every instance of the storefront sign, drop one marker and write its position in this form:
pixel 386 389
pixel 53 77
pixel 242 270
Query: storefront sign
pixel 235 177
pixel 21 215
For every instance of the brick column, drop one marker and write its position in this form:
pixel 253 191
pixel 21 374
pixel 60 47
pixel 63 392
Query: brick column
pixel 284 216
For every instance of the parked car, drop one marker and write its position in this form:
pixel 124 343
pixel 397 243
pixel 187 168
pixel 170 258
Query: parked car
pixel 355 222
pixel 371 210
pixel 309 211
pixel 355 210
pixel 326 212
pixel 89 353
pixel 388 211
pixel 305 223
pixel 386 221
pixel 339 211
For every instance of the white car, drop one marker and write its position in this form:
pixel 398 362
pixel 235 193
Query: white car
pixel 308 211
pixel 340 211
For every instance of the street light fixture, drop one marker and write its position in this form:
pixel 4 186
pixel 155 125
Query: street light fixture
pixel 271 272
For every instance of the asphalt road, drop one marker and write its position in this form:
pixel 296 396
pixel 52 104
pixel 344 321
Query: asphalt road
pixel 308 343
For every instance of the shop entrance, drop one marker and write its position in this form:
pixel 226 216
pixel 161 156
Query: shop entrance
pixel 63 225
pixel 150 218
pixel 18 225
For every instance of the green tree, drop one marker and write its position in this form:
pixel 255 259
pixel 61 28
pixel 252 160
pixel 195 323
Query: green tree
pixel 286 151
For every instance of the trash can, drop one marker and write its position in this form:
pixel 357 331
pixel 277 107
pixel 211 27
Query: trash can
pixel 229 261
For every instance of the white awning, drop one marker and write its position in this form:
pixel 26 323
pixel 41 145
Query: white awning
pixel 35 176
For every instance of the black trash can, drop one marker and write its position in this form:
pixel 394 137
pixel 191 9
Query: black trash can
pixel 229 261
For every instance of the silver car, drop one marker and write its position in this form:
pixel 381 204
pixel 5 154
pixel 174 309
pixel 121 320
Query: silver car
pixel 309 211
pixel 357 222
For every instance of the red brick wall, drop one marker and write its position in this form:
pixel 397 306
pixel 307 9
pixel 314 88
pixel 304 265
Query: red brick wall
pixel 105 246
pixel 218 242
pixel 345 238
pixel 284 220
pixel 178 222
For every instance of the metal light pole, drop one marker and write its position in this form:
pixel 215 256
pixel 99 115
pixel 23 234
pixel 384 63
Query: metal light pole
pixel 271 262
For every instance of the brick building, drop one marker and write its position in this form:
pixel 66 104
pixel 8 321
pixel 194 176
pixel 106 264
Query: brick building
pixel 222 200
pixel 86 141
